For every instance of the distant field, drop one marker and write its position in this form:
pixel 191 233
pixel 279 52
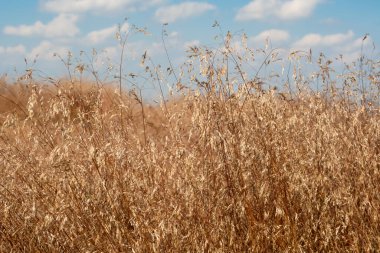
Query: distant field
pixel 226 165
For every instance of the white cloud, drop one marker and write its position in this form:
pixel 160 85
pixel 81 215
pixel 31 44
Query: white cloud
pixel 172 42
pixel 107 58
pixel 99 36
pixel 283 9
pixel 77 6
pixel 46 50
pixel 184 10
pixel 111 52
pixel 351 51
pixel 256 10
pixel 192 43
pixel 297 9
pixel 315 39
pixel 173 39
pixel 18 49
pixel 274 35
pixel 62 26
pixel 358 43
pixel 345 44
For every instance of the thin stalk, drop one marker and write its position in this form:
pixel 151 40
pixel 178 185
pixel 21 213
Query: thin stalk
pixel 166 52
pixel 143 115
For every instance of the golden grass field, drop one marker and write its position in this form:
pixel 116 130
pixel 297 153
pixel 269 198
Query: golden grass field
pixel 84 168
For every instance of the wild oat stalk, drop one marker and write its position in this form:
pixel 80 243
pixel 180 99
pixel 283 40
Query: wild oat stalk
pixel 238 170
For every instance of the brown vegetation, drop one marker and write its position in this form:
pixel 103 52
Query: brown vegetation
pixel 220 170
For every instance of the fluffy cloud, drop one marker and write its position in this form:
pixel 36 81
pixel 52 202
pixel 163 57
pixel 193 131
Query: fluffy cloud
pixel 99 36
pixel 351 51
pixel 315 39
pixel 274 35
pixel 172 41
pixel 358 43
pixel 18 49
pixel 345 44
pixel 184 10
pixel 64 25
pixel 76 6
pixel 283 9
pixel 191 43
pixel 46 50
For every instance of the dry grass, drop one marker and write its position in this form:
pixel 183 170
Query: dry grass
pixel 86 170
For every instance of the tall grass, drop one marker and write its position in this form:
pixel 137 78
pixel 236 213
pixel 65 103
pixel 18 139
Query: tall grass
pixel 234 164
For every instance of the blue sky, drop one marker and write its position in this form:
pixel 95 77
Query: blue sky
pixel 41 28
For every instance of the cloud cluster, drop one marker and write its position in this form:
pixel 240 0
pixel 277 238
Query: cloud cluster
pixel 64 25
pixel 346 44
pixel 273 35
pixel 183 10
pixel 99 36
pixel 192 43
pixel 18 49
pixel 282 9
pixel 314 39
pixel 63 31
pixel 46 50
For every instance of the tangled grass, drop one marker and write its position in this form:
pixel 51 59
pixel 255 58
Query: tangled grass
pixel 228 167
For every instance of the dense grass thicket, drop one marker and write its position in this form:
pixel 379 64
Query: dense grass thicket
pixel 232 164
